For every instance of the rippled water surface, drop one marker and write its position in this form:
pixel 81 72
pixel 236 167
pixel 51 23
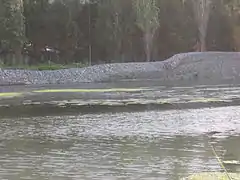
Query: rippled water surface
pixel 124 145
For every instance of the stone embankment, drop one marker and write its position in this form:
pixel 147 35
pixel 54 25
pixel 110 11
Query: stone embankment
pixel 190 68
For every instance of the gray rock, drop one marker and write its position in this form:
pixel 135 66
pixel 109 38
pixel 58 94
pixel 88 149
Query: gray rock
pixel 188 68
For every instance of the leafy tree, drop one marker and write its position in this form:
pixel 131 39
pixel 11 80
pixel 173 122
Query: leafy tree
pixel 202 10
pixel 114 25
pixel 233 11
pixel 13 29
pixel 93 31
pixel 147 18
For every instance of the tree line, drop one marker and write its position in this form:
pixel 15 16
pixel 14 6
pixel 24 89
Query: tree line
pixel 109 31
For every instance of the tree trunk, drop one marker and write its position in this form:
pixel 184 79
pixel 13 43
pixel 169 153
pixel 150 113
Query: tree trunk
pixel 236 37
pixel 203 29
pixel 17 58
pixel 203 45
pixel 19 44
pixel 202 9
pixel 148 40
pixel 202 39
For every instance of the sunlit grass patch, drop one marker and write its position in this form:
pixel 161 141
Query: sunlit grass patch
pixel 10 94
pixel 213 176
pixel 87 90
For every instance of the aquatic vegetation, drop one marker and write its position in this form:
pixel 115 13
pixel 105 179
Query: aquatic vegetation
pixel 10 94
pixel 213 176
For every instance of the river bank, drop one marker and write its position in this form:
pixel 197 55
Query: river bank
pixel 189 68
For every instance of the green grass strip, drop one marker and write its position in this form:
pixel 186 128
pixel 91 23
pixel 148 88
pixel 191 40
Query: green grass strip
pixel 86 90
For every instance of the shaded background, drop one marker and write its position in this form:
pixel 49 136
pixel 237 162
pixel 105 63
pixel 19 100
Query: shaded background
pixel 100 31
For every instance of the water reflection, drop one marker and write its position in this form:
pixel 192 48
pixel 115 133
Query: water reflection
pixel 145 145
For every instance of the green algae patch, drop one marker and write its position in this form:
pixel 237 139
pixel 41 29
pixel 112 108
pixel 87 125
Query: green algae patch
pixel 213 176
pixel 10 94
pixel 206 100
pixel 86 90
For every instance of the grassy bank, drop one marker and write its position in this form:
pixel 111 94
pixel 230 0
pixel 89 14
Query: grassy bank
pixel 46 66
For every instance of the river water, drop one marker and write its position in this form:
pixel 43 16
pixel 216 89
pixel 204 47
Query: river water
pixel 147 145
